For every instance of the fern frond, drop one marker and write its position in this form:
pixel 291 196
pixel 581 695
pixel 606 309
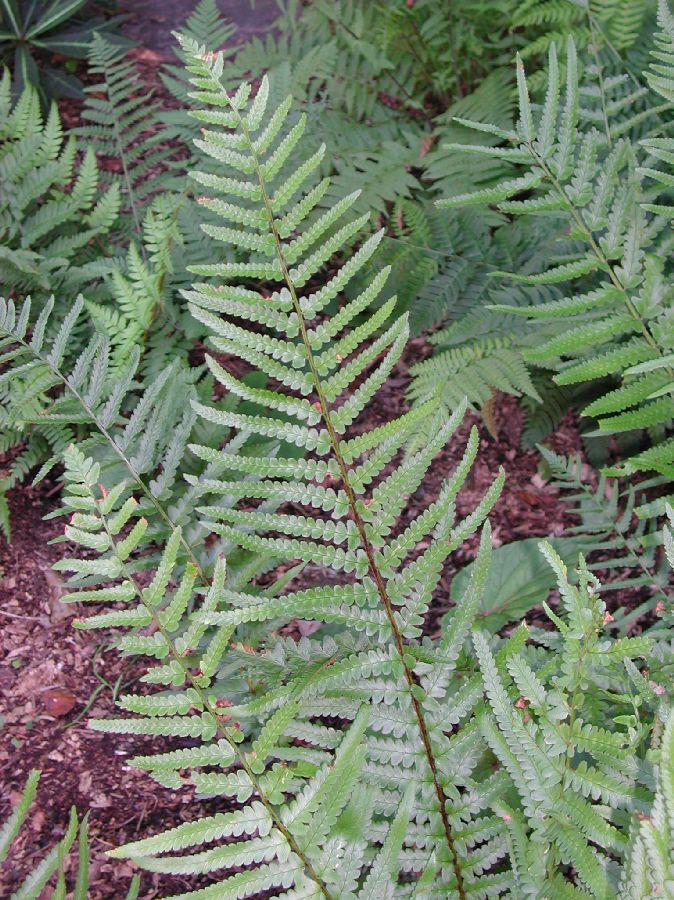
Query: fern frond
pixel 368 672
pixel 122 125
pixel 650 862
pixel 592 181
pixel 565 765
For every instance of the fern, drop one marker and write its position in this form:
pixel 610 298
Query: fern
pixel 614 24
pixel 616 325
pixel 50 205
pixel 138 429
pixel 571 765
pixel 53 219
pixel 143 292
pixel 650 872
pixel 207 26
pixel 475 371
pixel 123 125
pixel 374 673
pixel 622 541
pixel 368 759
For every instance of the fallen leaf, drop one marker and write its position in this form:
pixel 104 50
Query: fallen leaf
pixel 84 784
pixel 58 611
pixel 144 54
pixel 58 701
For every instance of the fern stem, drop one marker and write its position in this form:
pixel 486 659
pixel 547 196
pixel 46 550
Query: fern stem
pixel 121 154
pixel 600 79
pixel 358 521
pixel 215 713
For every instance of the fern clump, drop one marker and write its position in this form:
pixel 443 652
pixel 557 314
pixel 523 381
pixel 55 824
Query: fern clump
pixel 50 206
pixel 567 744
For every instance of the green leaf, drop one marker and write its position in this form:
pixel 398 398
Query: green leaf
pixel 518 579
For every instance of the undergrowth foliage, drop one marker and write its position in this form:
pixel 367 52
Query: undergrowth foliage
pixel 353 761
pixel 121 124
pixel 51 212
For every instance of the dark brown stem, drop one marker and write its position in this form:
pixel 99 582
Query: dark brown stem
pixel 360 525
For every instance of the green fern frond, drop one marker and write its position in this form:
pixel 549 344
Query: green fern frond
pixel 122 125
pixel 618 319
pixel 565 766
pixel 333 374
pixel 607 524
pixel 650 868
pixel 50 206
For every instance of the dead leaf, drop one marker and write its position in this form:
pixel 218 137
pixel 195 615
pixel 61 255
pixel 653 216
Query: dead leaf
pixel 58 701
pixel 37 820
pixel 144 54
pixel 84 784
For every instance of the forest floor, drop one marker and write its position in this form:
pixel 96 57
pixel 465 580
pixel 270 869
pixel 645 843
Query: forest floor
pixel 152 22
pixel 54 678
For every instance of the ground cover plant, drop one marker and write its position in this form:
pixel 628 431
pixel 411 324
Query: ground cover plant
pixel 280 501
